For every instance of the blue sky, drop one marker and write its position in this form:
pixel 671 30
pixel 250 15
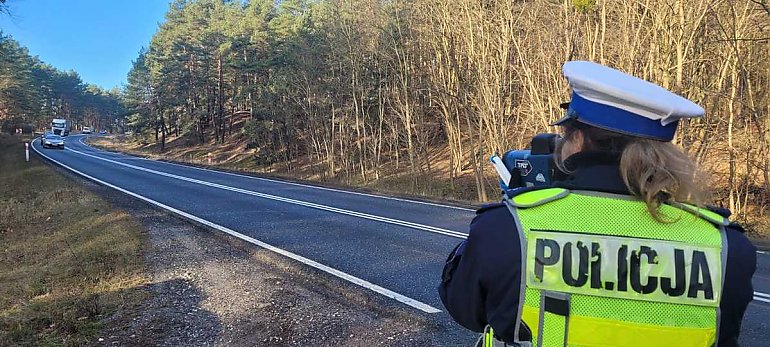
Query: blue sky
pixel 96 38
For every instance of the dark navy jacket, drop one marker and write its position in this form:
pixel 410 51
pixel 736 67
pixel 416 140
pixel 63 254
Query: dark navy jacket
pixel 480 283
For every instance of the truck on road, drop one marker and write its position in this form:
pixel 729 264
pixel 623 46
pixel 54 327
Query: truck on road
pixel 60 127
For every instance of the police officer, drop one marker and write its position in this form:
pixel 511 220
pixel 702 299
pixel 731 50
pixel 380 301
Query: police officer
pixel 617 254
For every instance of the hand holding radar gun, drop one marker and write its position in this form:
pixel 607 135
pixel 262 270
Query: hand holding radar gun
pixel 534 167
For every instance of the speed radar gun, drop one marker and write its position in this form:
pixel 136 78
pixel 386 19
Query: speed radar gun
pixel 534 167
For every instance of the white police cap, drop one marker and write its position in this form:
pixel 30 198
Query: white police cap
pixel 609 99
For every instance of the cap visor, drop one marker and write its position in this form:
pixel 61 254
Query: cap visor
pixel 563 120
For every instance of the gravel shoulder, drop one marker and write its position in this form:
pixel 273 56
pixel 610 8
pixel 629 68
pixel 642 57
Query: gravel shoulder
pixel 209 289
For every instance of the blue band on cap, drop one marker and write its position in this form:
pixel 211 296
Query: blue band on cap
pixel 619 120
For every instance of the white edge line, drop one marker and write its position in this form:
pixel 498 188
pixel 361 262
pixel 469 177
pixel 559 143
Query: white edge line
pixel 296 184
pixel 762 295
pixel 388 220
pixel 345 276
pixel 762 299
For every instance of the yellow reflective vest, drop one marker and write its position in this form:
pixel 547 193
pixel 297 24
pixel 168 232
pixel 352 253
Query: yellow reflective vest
pixel 600 271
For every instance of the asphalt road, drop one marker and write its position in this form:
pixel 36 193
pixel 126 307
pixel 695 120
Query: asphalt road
pixel 392 247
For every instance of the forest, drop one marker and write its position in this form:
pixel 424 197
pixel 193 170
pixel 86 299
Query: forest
pixel 426 90
pixel 33 92
pixel 358 85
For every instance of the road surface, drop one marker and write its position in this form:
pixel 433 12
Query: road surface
pixel 394 248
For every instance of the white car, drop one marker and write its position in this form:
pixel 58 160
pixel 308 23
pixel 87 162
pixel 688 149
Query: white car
pixel 52 141
pixel 87 130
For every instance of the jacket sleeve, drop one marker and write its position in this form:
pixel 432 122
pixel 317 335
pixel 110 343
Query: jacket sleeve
pixel 738 291
pixel 482 276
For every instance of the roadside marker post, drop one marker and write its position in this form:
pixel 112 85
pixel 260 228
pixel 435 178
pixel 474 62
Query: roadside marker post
pixel 209 158
pixel 26 150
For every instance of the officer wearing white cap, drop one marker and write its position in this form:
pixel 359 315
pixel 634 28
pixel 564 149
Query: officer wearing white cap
pixel 609 99
pixel 617 254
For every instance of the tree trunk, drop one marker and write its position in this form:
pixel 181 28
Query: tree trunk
pixel 220 102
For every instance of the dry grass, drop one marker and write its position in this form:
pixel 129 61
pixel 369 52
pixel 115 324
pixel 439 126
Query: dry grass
pixel 68 260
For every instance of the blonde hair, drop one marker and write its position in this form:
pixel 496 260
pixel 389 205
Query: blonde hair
pixel 654 171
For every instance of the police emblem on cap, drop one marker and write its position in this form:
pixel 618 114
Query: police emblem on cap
pixel 613 100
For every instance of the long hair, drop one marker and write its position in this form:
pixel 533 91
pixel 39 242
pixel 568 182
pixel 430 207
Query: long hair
pixel 654 171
